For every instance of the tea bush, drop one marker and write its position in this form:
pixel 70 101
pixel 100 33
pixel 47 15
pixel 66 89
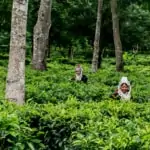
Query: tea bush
pixel 75 125
pixel 65 115
pixel 54 84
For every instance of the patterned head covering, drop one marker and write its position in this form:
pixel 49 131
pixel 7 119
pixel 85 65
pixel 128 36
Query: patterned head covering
pixel 127 95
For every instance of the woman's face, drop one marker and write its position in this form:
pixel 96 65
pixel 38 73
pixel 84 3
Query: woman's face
pixel 124 88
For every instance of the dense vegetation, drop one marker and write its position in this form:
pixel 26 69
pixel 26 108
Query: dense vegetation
pixel 54 85
pixel 61 114
pixel 75 125
pixel 73 25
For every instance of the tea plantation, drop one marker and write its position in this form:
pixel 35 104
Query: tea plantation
pixel 60 114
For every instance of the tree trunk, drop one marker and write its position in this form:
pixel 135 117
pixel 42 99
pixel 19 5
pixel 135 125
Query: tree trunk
pixel 97 37
pixel 70 52
pixel 48 47
pixel 116 35
pixel 15 83
pixel 41 35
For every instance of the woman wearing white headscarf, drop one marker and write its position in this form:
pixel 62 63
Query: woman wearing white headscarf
pixel 124 90
pixel 79 74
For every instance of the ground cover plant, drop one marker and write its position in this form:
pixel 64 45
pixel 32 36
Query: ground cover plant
pixel 61 114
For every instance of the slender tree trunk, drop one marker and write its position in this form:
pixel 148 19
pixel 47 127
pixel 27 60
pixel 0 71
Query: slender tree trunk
pixel 32 46
pixel 97 37
pixel 41 35
pixel 70 52
pixel 100 57
pixel 116 35
pixel 48 47
pixel 15 83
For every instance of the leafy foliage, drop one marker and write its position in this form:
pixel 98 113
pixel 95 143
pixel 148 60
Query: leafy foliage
pixel 55 86
pixel 73 25
pixel 60 114
pixel 75 125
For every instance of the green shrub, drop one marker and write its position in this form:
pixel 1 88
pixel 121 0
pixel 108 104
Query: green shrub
pixel 62 114
pixel 75 125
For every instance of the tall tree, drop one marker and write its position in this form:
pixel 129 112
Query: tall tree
pixel 15 83
pixel 97 37
pixel 41 35
pixel 116 35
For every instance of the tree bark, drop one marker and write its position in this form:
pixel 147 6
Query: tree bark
pixel 41 35
pixel 15 82
pixel 116 35
pixel 70 52
pixel 48 47
pixel 97 37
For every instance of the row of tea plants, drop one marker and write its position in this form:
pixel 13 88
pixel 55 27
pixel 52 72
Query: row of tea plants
pixel 65 115
pixel 75 125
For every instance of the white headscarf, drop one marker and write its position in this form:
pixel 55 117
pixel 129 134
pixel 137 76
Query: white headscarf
pixel 79 77
pixel 124 96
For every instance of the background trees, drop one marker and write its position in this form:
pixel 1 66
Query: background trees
pixel 73 26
